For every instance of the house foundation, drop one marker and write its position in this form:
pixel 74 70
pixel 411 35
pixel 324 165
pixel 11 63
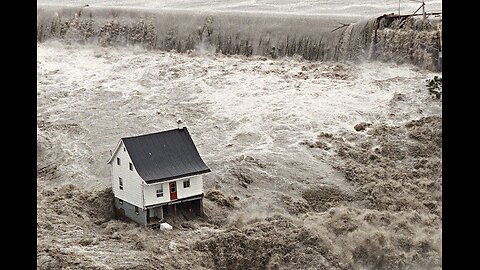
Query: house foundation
pixel 175 211
pixel 152 216
pixel 125 211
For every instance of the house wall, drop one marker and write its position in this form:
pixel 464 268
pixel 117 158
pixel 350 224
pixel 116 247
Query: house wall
pixel 132 183
pixel 128 210
pixel 196 188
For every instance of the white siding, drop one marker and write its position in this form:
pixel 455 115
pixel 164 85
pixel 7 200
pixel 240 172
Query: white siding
pixel 132 182
pixel 196 188
pixel 151 194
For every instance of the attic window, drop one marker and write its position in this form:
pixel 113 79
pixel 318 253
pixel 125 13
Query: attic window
pixel 131 166
pixel 160 191
pixel 120 183
pixel 136 210
pixel 186 183
pixel 118 161
pixel 124 149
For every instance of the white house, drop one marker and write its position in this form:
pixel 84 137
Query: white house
pixel 155 173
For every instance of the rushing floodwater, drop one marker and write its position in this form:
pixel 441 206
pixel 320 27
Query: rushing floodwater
pixel 271 97
pixel 249 117
pixel 326 7
pixel 315 37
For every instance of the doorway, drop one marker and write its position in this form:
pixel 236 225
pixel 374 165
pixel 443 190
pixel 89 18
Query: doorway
pixel 173 190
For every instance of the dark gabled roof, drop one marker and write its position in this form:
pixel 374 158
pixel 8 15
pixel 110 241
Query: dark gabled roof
pixel 165 155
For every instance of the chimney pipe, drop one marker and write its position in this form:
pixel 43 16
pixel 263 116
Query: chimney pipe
pixel 180 123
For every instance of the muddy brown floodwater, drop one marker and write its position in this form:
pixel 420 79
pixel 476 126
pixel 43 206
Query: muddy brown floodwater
pixel 294 185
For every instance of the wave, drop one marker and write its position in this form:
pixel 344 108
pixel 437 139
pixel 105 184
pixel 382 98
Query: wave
pixel 314 37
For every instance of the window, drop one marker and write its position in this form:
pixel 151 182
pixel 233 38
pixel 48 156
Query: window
pixel 186 183
pixel 124 149
pixel 120 183
pixel 118 161
pixel 160 191
pixel 120 201
pixel 136 210
pixel 131 166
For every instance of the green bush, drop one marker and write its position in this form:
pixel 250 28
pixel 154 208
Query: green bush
pixel 435 86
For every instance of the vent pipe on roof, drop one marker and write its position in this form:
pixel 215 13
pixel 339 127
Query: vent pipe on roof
pixel 180 123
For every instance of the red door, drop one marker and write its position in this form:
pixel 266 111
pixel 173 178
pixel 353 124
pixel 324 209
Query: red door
pixel 173 190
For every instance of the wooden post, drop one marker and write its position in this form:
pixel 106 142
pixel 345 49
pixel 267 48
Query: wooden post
pixel 423 9
pixel 201 208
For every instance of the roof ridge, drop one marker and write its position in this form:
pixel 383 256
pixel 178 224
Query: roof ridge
pixel 155 133
pixel 164 155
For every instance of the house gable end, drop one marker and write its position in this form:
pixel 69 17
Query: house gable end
pixel 114 153
pixel 127 184
pixel 119 146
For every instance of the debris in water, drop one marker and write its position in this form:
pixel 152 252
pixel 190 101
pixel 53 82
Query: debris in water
pixel 361 126
pixel 165 226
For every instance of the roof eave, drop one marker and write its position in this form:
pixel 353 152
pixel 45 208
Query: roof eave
pixel 149 182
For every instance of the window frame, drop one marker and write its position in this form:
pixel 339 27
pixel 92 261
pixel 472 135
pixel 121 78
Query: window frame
pixel 130 166
pixel 120 183
pixel 186 183
pixel 118 161
pixel 157 191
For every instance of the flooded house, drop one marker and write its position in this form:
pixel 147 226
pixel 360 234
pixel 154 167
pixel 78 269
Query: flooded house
pixel 154 175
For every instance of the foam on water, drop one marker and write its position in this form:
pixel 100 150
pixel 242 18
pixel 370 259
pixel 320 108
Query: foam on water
pixel 315 37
